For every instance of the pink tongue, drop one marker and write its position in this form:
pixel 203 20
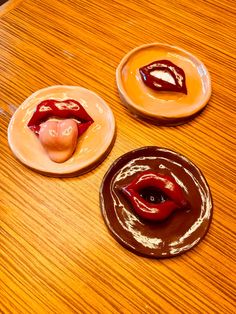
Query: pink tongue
pixel 59 138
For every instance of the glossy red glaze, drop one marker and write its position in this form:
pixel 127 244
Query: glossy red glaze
pixel 66 109
pixel 163 183
pixel 163 75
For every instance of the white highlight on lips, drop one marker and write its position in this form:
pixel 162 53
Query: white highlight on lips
pixel 71 105
pixel 45 108
pixel 170 186
pixel 162 75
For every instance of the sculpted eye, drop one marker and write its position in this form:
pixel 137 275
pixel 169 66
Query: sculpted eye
pixel 154 196
pixel 156 202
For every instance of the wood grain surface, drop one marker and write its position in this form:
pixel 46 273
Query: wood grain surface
pixel 56 254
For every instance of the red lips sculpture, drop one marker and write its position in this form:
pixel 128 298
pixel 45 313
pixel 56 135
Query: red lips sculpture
pixel 171 196
pixel 66 109
pixel 164 75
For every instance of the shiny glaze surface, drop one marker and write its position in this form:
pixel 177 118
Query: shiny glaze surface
pixel 164 75
pixel 181 231
pixel 169 108
pixel 59 124
pixel 56 254
pixel 154 196
pixel 92 147
pixel 59 138
pixel 65 109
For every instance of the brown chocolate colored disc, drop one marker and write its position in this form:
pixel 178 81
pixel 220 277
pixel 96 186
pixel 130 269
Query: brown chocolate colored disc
pixel 181 231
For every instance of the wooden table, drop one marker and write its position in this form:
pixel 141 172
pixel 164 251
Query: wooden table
pixel 57 255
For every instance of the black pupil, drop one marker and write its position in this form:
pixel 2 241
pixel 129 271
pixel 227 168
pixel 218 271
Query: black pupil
pixel 153 195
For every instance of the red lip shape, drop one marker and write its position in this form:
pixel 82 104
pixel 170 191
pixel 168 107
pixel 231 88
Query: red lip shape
pixel 167 198
pixel 164 75
pixel 66 109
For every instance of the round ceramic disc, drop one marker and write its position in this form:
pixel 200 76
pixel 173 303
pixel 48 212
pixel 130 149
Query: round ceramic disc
pixel 163 107
pixel 182 230
pixel 92 147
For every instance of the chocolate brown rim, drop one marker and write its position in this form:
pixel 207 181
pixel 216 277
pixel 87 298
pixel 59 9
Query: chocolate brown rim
pixel 117 237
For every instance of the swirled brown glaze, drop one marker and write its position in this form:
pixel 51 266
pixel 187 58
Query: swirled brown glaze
pixel 182 230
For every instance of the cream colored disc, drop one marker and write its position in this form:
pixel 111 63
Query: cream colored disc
pixel 92 147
